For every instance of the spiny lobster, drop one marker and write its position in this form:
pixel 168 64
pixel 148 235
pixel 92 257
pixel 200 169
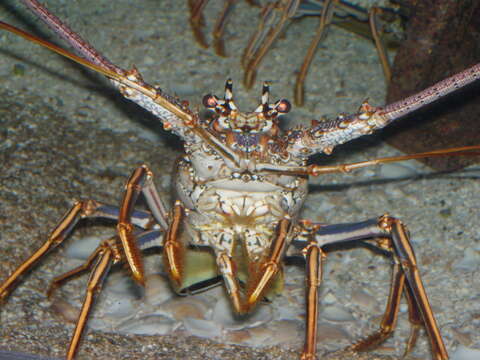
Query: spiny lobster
pixel 239 190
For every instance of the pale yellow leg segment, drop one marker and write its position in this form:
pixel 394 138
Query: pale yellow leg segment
pixel 228 271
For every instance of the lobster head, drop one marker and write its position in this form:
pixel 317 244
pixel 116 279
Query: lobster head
pixel 262 121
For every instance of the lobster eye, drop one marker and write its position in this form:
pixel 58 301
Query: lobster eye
pixel 210 101
pixel 283 106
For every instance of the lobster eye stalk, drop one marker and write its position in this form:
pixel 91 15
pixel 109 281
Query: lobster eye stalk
pixel 283 106
pixel 210 101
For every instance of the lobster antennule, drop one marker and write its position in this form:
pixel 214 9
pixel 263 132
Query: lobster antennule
pixel 270 111
pixel 228 98
pixel 265 93
pixel 228 90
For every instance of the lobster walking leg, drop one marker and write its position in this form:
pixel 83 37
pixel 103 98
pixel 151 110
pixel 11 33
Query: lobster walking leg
pixel 197 21
pixel 107 254
pixel 314 255
pixel 80 210
pixel 325 21
pixel 140 180
pixel 263 273
pixel 390 316
pixel 145 240
pixel 219 28
pixel 61 279
pixel 272 265
pixel 406 278
pixel 404 251
pixel 173 249
pixel 415 319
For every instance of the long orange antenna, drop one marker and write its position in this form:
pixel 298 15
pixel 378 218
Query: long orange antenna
pixel 316 170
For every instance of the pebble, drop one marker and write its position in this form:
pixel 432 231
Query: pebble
pixel 465 353
pixel 65 309
pixel 185 308
pixel 83 248
pixel 396 171
pixel 328 333
pixel 121 284
pixel 336 313
pixel 149 325
pixel 462 337
pixel 364 300
pixel 224 315
pixel 239 337
pixel 119 307
pixel 470 260
pixel 202 328
pixel 329 299
pixel 157 289
pixel 284 332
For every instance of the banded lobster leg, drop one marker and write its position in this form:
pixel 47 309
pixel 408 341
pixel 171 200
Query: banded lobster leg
pixel 275 17
pixel 197 22
pixel 140 181
pixel 174 250
pixel 108 253
pixel 390 235
pixel 80 210
pixel 122 248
